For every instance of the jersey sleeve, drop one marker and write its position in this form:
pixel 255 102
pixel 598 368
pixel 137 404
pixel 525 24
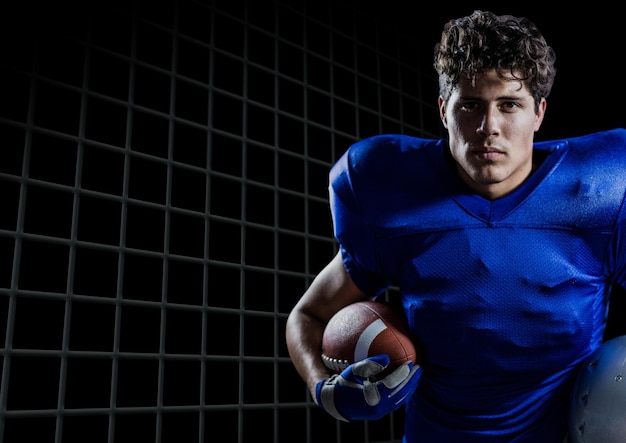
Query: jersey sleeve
pixel 376 190
pixel 351 229
pixel 617 254
pixel 614 169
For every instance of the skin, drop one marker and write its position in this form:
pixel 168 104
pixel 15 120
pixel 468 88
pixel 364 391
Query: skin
pixel 331 290
pixel 491 126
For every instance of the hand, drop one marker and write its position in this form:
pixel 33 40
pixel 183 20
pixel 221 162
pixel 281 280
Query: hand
pixel 356 395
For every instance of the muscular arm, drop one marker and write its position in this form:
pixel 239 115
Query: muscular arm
pixel 331 290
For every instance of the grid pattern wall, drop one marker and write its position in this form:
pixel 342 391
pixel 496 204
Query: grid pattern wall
pixel 164 204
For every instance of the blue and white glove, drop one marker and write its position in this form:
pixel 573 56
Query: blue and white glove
pixel 356 395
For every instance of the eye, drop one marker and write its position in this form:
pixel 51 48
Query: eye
pixel 510 106
pixel 468 106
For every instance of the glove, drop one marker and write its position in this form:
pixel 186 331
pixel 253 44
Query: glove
pixel 356 395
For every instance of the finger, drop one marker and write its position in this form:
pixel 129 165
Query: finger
pixel 412 378
pixel 398 375
pixel 371 393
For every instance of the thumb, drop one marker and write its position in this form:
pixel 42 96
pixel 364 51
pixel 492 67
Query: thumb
pixel 370 366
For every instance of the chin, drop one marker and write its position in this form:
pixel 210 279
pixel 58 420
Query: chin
pixel 486 179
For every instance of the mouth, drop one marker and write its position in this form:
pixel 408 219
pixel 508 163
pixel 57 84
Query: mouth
pixel 488 153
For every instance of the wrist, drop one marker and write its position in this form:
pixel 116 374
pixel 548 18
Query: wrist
pixel 313 382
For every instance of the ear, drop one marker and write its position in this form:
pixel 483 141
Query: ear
pixel 541 112
pixel 442 111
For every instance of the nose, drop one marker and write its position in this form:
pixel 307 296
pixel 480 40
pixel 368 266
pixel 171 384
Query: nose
pixel 488 124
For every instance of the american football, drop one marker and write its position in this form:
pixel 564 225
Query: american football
pixel 365 329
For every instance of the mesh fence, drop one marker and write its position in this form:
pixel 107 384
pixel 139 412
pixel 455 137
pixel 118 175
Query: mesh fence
pixel 164 192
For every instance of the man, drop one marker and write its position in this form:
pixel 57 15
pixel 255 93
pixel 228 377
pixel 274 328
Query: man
pixel 504 250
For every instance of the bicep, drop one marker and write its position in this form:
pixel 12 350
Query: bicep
pixel 331 290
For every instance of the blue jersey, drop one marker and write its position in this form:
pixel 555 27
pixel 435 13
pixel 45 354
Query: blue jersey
pixel 505 297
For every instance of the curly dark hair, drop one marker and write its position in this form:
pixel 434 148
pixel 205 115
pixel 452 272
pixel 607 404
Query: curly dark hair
pixel 482 41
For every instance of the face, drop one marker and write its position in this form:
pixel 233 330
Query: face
pixel 491 127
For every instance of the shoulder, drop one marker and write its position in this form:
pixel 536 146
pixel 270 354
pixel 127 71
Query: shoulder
pixel 378 167
pixel 606 150
pixel 383 153
pixel 591 178
pixel 388 145
pixel 614 139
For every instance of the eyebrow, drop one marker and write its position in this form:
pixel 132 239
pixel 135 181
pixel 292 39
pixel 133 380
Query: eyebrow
pixel 518 98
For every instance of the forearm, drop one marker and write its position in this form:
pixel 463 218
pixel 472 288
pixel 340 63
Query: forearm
pixel 331 290
pixel 304 341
